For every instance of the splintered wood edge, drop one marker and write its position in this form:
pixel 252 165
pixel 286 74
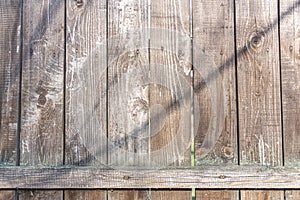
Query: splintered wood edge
pixel 209 177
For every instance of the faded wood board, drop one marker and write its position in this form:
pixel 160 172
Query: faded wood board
pixel 216 195
pixel 86 89
pixel 258 87
pixel 86 83
pixel 42 88
pixel 128 112
pixel 170 88
pixel 40 195
pixel 85 194
pixel 10 27
pixel 214 88
pixel 206 177
pixel 292 194
pixel 7 195
pixel 262 195
pixel 290 63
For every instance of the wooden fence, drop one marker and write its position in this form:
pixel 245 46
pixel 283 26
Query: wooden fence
pixel 149 99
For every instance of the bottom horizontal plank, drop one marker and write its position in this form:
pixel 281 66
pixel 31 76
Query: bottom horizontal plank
pixel 210 177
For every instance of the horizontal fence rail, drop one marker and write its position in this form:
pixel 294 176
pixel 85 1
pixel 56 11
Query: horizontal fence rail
pixel 216 177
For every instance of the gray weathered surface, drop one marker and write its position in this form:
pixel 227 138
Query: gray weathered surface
pixel 209 177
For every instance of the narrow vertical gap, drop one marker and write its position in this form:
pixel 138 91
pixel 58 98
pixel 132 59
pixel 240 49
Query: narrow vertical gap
pixel 193 195
pixel 20 86
pixel 280 79
pixel 236 84
pixel 17 194
pixel 240 195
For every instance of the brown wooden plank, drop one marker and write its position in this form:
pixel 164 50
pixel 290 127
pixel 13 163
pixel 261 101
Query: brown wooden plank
pixel 170 89
pixel 290 62
pixel 259 87
pixel 85 194
pixel 262 195
pixel 215 126
pixel 214 82
pixel 86 89
pixel 7 195
pixel 42 88
pixel 292 194
pixel 128 100
pixel 206 177
pixel 216 195
pixel 10 28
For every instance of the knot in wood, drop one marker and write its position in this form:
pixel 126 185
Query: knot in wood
pixel 79 3
pixel 126 177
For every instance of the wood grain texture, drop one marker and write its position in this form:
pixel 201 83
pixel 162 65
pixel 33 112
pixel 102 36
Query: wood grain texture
pixel 42 88
pixel 290 63
pixel 216 195
pixel 85 194
pixel 10 27
pixel 292 194
pixel 213 36
pixel 86 83
pixel 42 85
pixel 259 87
pixel 7 195
pixel 208 177
pixel 86 89
pixel 128 101
pixel 262 195
pixel 170 88
pixel 214 91
pixel 258 82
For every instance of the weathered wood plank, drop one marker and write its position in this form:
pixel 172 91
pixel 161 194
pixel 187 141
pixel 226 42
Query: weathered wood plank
pixel 262 195
pixel 42 88
pixel 42 85
pixel 85 194
pixel 290 62
pixel 86 89
pixel 216 195
pixel 214 82
pixel 258 87
pixel 7 195
pixel 10 29
pixel 214 88
pixel 86 83
pixel 128 100
pixel 258 82
pixel 170 88
pixel 292 194
pixel 209 177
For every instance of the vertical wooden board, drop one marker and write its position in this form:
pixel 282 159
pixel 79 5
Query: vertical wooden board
pixel 40 195
pixel 214 91
pixel 85 194
pixel 259 87
pixel 292 194
pixel 42 83
pixel 10 27
pixel 262 195
pixel 86 89
pixel 216 195
pixel 42 88
pixel 128 194
pixel 128 100
pixel 127 83
pixel 258 82
pixel 290 70
pixel 86 83
pixel 7 195
pixel 170 89
pixel 214 88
